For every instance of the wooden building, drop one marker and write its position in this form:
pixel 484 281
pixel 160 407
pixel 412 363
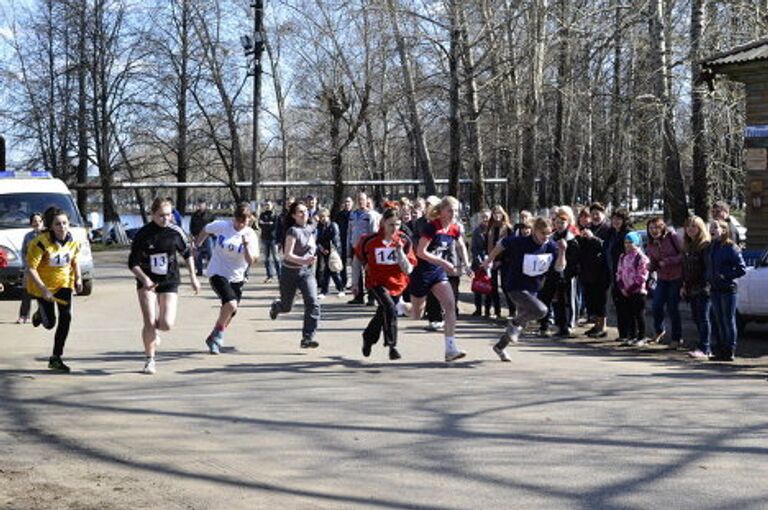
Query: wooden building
pixel 748 64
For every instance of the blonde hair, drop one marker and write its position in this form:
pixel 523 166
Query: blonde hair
pixel 568 211
pixel 447 201
pixel 505 220
pixel 702 240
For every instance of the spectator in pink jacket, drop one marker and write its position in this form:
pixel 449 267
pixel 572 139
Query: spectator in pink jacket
pixel 665 251
pixel 631 279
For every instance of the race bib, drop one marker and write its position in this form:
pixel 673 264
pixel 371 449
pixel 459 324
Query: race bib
pixel 158 263
pixel 386 256
pixel 536 265
pixel 61 259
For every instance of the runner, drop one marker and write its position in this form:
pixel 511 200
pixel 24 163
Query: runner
pixel 52 273
pixel 527 261
pixel 298 257
pixel 235 248
pixel 388 259
pixel 431 273
pixel 153 262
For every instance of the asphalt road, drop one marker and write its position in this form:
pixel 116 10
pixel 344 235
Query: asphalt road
pixel 266 425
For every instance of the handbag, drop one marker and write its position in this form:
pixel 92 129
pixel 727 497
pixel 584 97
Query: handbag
pixel 481 282
pixel 334 261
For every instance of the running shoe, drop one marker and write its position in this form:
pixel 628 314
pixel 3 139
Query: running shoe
pixel 501 353
pixel 454 355
pixel 36 320
pixel 657 338
pixel 308 343
pixel 394 354
pixel 514 334
pixel 597 333
pixel 149 367
pixel 698 354
pixel 544 333
pixel 321 296
pixel 435 326
pixel 565 333
pixel 402 311
pixel 366 347
pixel 273 311
pixel 55 363
pixel 342 293
pixel 639 342
pixel 627 341
pixel 213 345
pixel 356 301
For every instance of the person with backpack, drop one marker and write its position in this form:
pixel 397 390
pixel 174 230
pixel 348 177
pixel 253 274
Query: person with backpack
pixel 665 252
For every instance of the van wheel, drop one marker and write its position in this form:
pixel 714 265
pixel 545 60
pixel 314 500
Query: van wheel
pixel 741 324
pixel 87 288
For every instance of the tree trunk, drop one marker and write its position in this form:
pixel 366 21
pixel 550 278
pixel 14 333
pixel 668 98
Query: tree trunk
pixel 182 151
pixel 477 169
pixel 674 188
pixel 700 187
pixel 425 163
pixel 454 129
pixel 537 14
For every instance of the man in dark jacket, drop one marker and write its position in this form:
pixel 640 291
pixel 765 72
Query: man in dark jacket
pixel 267 224
pixel 200 218
pixel 342 220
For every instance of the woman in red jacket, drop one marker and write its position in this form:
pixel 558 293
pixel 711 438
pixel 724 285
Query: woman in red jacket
pixel 665 251
pixel 388 259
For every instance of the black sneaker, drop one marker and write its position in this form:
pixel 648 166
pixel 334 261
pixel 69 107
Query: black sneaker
pixel 393 354
pixel 565 333
pixel 55 363
pixel 273 311
pixel 36 319
pixel 307 343
pixel 356 301
pixel 476 313
pixel 366 347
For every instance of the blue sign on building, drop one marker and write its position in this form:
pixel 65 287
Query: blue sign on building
pixel 756 131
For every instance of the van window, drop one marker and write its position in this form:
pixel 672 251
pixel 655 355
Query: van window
pixel 16 208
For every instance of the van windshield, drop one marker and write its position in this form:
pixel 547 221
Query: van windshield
pixel 16 208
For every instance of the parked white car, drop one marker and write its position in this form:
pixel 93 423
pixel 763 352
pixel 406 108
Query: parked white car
pixel 22 193
pixel 752 300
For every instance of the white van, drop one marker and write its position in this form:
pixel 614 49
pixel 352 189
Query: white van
pixel 24 193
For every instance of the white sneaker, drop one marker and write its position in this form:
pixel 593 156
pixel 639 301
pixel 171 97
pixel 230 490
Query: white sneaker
pixel 342 293
pixel 401 309
pixel 321 296
pixel 454 355
pixel 149 367
pixel 435 326
pixel 514 334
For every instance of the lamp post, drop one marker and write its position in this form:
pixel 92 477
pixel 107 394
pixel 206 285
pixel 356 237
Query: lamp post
pixel 253 45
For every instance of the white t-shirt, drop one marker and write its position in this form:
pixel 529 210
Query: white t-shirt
pixel 228 257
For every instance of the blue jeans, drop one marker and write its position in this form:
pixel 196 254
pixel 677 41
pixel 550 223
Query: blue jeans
pixel 204 252
pixel 269 252
pixel 667 294
pixel 701 306
pixel 724 308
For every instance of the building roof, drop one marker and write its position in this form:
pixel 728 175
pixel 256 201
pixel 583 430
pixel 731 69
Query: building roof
pixel 747 53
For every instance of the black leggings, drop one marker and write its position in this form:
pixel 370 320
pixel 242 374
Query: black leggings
pixel 385 318
pixel 47 312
